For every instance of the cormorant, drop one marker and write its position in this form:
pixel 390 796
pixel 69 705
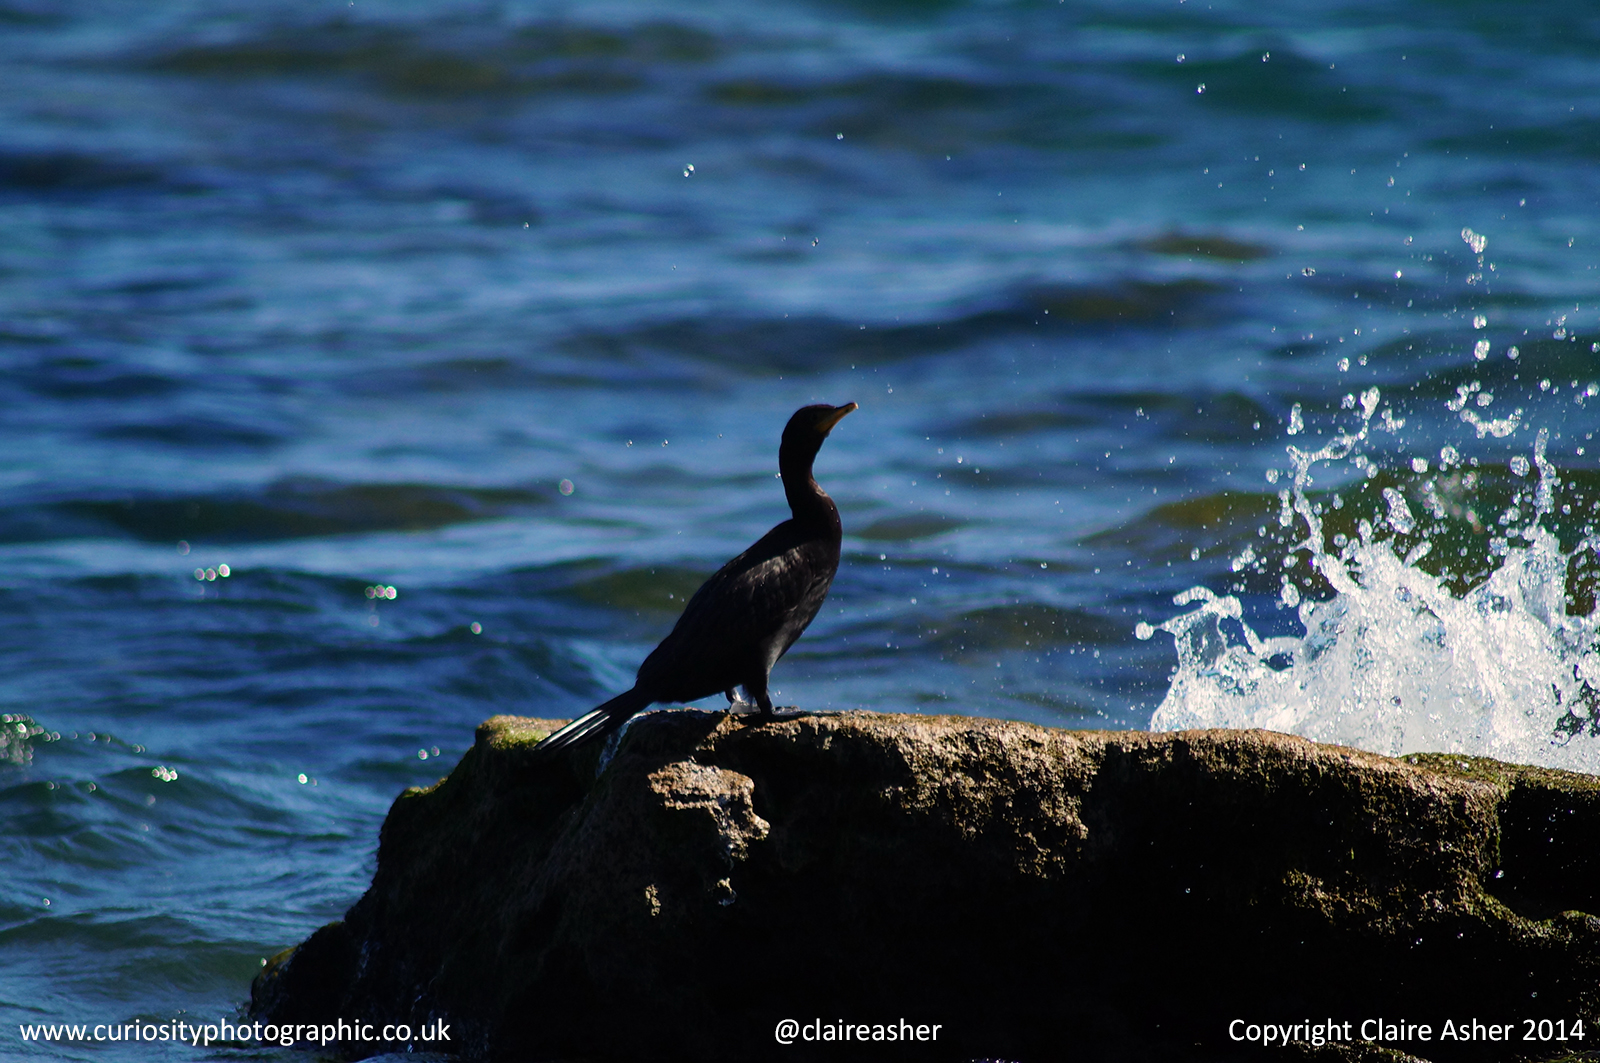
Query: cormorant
pixel 745 617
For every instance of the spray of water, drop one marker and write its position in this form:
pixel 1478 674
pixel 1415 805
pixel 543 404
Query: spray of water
pixel 1393 661
pixel 17 732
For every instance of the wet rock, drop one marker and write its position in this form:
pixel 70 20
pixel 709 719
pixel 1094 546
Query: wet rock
pixel 1035 894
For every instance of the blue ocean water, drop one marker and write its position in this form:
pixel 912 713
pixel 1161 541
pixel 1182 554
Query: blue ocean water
pixel 501 307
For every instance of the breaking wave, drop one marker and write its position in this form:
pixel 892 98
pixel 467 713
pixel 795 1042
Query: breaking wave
pixel 1395 660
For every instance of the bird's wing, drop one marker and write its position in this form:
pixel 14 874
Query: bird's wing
pixel 758 597
pixel 756 591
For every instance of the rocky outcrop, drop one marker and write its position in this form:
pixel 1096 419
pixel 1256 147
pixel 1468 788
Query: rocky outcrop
pixel 1035 894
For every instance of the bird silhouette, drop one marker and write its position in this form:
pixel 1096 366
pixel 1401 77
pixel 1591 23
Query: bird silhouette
pixel 750 612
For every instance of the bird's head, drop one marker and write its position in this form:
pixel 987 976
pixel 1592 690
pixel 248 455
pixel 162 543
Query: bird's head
pixel 815 422
pixel 810 425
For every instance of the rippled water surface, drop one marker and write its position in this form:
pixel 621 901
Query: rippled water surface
pixel 503 306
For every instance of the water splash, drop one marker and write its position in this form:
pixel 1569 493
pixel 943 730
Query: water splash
pixel 1393 661
pixel 17 732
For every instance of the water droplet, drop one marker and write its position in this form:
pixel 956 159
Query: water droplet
pixel 1400 517
pixel 476 628
pixel 565 487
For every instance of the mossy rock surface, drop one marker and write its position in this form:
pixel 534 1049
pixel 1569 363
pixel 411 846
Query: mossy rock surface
pixel 1039 894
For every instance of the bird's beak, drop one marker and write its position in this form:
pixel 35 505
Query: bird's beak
pixel 837 415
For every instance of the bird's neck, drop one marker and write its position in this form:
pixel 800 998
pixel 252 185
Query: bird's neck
pixel 808 502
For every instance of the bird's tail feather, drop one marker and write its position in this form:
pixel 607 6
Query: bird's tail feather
pixel 600 721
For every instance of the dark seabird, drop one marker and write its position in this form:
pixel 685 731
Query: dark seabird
pixel 745 617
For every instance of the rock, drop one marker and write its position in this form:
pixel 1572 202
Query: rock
pixel 1031 893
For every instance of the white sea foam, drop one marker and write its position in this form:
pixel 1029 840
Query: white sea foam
pixel 1394 662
